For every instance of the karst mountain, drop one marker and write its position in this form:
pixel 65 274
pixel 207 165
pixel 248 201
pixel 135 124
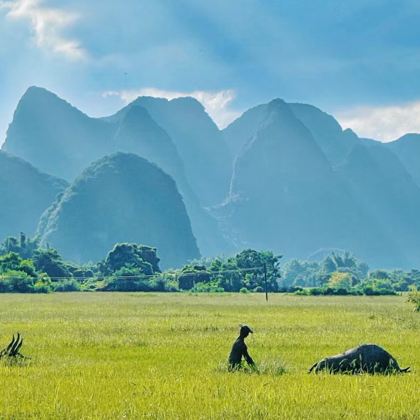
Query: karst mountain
pixel 283 176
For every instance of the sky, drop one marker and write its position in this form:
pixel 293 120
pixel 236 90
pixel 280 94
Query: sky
pixel 358 60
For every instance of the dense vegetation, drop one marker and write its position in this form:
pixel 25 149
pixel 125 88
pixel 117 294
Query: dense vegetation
pixel 27 267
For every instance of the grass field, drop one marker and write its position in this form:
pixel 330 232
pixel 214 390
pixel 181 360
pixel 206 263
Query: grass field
pixel 112 355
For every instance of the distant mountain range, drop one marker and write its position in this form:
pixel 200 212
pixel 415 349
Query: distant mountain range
pixel 62 141
pixel 283 176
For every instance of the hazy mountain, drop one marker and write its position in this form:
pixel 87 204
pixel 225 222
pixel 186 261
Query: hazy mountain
pixel 382 185
pixel 240 131
pixel 25 194
pixel 138 133
pixel 326 131
pixel 299 184
pixel 61 140
pixel 120 198
pixel 54 136
pixel 407 148
pixel 285 195
pixel 207 160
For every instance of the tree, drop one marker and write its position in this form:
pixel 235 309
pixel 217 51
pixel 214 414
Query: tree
pixel 23 246
pixel 140 257
pixel 13 262
pixel 254 262
pixel 192 275
pixel 340 280
pixel 50 261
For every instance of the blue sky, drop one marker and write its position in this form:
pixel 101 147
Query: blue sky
pixel 359 60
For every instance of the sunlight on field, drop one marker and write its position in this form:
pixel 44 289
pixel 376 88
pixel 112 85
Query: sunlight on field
pixel 116 355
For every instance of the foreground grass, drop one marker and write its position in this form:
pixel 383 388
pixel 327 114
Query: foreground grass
pixel 163 356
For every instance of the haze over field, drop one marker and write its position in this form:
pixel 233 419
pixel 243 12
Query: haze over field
pixel 203 131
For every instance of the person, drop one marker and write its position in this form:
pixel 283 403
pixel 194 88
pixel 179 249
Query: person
pixel 239 350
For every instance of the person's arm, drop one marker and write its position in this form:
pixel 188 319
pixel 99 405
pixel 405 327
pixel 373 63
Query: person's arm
pixel 247 357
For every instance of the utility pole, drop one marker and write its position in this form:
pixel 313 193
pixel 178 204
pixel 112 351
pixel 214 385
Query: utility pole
pixel 265 282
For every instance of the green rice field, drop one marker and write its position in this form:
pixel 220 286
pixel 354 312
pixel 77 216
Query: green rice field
pixel 163 356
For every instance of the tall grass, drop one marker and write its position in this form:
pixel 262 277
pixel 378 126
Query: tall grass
pixel 156 355
pixel 414 298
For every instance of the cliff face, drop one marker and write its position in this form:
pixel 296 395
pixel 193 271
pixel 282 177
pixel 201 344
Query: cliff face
pixel 120 198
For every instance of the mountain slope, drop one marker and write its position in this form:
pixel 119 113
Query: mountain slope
pixel 381 183
pixel 25 193
pixel 54 136
pixel 407 148
pixel 326 131
pixel 120 198
pixel 61 140
pixel 138 133
pixel 286 197
pixel 207 160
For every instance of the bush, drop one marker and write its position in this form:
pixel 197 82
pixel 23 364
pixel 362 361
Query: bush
pixel 207 288
pixel 43 284
pixel 414 297
pixel 243 290
pixel 70 285
pixel 16 281
pixel 126 285
pixel 316 291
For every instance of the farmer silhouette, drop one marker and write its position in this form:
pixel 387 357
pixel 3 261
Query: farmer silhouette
pixel 239 350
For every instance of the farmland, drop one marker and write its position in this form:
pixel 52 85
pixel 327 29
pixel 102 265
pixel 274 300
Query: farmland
pixel 134 355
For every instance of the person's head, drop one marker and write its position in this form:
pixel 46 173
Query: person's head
pixel 244 331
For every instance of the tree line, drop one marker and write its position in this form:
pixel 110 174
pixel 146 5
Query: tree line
pixel 27 267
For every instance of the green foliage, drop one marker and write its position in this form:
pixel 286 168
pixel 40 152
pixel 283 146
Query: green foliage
pixel 49 261
pixel 16 281
pixel 20 282
pixel 68 285
pixel 414 298
pixel 302 273
pixel 245 270
pixel 23 246
pixel 340 280
pixel 192 275
pixel 13 262
pixel 211 287
pixel 139 257
pixel 26 267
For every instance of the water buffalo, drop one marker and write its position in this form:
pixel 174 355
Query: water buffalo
pixel 367 358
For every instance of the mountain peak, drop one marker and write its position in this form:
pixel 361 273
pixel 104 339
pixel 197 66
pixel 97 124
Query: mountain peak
pixel 35 94
pixel 187 102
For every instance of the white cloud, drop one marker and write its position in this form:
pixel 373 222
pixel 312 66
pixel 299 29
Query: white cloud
pixel 383 123
pixel 47 25
pixel 217 104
